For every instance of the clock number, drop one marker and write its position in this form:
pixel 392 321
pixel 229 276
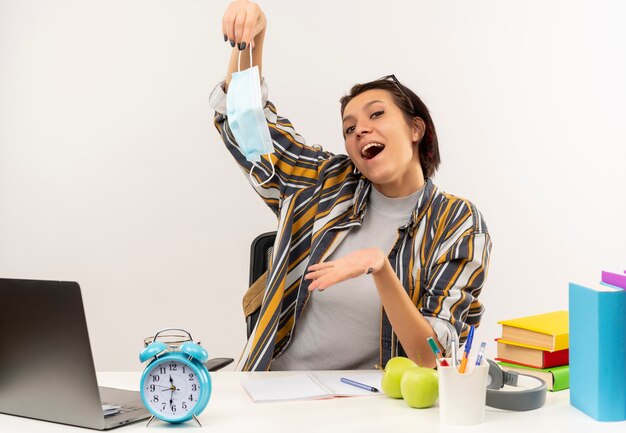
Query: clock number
pixel 152 388
pixel 164 404
pixel 155 378
pixel 162 370
pixel 190 397
pixel 173 367
pixel 190 377
pixel 184 406
pixel 184 369
pixel 155 398
pixel 194 387
pixel 173 408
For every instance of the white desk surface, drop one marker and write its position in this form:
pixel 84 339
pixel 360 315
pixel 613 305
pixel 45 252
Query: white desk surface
pixel 231 410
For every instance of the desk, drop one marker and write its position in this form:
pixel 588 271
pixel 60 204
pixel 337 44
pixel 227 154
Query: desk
pixel 231 410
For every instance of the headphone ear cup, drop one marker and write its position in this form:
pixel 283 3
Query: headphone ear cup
pixel 496 376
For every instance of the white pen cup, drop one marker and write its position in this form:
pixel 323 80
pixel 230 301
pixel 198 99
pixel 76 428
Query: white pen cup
pixel 462 396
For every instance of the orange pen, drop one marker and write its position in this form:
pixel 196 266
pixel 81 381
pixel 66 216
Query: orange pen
pixel 468 347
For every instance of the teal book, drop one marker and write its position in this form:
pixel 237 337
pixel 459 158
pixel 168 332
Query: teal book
pixel 597 352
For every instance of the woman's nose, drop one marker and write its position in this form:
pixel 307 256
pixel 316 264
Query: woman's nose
pixel 363 128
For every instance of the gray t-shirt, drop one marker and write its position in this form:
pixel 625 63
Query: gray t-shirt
pixel 340 327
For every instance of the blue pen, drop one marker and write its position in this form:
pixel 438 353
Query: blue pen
pixel 468 347
pixel 481 351
pixel 359 385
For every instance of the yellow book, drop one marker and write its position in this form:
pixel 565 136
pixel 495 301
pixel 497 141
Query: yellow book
pixel 549 331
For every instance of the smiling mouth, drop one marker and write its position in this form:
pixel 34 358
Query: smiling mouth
pixel 371 150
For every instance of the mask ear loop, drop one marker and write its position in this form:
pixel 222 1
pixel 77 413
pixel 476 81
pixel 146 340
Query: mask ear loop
pixel 252 180
pixel 266 180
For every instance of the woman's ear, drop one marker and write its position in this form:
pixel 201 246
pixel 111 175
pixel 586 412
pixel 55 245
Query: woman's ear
pixel 418 128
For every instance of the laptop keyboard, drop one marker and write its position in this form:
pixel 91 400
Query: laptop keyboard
pixel 126 409
pixel 122 408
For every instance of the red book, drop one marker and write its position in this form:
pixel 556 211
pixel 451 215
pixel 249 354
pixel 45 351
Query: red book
pixel 531 357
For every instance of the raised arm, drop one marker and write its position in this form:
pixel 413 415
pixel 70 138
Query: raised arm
pixel 294 164
pixel 244 26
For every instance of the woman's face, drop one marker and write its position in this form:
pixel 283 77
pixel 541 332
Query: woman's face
pixel 379 142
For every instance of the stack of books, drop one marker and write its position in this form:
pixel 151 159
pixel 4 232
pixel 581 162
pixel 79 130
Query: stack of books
pixel 538 346
pixel 598 347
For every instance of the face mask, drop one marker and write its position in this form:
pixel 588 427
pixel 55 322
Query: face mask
pixel 246 117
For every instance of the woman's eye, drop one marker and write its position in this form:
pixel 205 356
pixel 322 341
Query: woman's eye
pixel 376 113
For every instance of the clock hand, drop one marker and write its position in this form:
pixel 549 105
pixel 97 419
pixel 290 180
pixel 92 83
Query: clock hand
pixel 172 388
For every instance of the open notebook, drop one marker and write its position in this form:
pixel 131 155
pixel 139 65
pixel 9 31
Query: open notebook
pixel 311 385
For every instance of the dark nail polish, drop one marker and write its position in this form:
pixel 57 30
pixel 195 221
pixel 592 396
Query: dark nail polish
pixel 232 43
pixel 242 46
pixel 225 38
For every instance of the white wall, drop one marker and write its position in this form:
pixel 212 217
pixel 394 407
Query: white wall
pixel 112 174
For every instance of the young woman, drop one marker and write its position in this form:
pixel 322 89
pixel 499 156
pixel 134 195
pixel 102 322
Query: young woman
pixel 402 260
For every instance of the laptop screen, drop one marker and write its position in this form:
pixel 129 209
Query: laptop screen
pixel 46 368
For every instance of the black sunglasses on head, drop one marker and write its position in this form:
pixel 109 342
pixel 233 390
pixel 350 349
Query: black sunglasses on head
pixel 393 79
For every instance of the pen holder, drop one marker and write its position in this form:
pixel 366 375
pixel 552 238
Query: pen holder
pixel 462 397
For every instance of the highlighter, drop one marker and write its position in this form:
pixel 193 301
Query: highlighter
pixel 437 352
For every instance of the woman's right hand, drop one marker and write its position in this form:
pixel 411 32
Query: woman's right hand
pixel 242 22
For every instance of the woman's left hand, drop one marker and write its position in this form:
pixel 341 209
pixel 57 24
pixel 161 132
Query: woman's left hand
pixel 357 263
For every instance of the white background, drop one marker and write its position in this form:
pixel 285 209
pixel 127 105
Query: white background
pixel 112 174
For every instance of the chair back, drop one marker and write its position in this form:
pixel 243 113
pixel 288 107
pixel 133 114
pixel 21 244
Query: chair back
pixel 261 251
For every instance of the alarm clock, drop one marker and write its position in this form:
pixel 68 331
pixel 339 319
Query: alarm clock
pixel 175 385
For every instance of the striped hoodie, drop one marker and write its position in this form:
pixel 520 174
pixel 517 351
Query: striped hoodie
pixel 440 256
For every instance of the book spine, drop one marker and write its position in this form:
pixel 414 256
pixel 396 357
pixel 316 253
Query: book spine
pixel 561 378
pixel 555 359
pixel 616 280
pixel 598 352
pixel 561 342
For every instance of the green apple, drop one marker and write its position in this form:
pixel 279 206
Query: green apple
pixel 394 370
pixel 420 387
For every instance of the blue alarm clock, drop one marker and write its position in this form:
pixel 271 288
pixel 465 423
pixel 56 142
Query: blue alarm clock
pixel 175 386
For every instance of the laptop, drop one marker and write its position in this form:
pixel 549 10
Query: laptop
pixel 46 366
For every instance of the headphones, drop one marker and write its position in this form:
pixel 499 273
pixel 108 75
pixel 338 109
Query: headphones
pixel 531 394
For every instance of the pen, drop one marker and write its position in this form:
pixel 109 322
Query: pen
pixel 359 385
pixel 455 359
pixel 437 352
pixel 468 347
pixel 481 351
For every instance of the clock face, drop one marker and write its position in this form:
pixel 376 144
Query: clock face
pixel 172 389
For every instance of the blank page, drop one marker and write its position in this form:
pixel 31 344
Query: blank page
pixel 296 387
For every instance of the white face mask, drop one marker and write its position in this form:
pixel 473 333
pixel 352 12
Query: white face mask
pixel 246 117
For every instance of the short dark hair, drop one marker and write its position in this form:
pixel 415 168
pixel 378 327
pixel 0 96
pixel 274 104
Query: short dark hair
pixel 411 106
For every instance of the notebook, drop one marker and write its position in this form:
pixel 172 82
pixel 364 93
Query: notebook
pixel 48 372
pixel 312 385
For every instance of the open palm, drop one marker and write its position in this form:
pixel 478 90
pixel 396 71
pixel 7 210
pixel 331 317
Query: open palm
pixel 354 264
